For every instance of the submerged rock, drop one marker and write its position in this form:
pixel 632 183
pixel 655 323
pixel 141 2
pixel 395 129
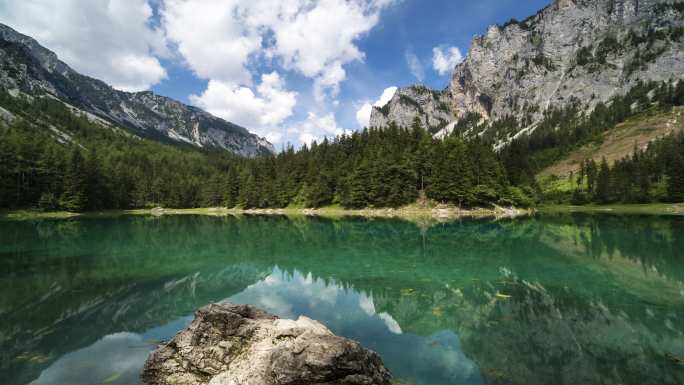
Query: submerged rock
pixel 230 344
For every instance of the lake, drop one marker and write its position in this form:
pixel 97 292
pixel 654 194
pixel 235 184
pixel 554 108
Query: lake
pixel 553 299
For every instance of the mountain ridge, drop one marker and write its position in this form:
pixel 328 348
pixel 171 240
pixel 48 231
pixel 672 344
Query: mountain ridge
pixel 26 67
pixel 583 51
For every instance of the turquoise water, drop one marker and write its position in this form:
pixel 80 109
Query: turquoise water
pixel 544 300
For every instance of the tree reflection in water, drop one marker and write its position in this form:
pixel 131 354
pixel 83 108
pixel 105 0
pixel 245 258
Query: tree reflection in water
pixel 553 299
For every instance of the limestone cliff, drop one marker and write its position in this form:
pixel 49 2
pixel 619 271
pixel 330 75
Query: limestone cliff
pixel 29 69
pixel 431 108
pixel 573 50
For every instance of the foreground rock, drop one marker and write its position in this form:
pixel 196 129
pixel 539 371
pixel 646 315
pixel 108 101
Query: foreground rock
pixel 230 344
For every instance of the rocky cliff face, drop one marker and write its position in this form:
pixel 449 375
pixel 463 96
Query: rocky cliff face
pixel 28 68
pixel 431 109
pixel 582 51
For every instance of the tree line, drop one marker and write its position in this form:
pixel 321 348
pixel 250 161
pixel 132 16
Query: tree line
pixel 53 159
pixel 564 129
pixel 649 175
pixel 57 160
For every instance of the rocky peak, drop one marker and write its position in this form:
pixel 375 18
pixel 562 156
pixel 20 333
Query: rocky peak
pixel 572 51
pixel 45 57
pixel 416 103
pixel 562 4
pixel 28 68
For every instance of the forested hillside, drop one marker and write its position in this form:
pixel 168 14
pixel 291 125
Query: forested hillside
pixel 28 68
pixel 646 175
pixel 55 159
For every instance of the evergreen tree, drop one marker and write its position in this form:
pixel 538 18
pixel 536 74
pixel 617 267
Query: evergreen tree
pixel 231 188
pixel 212 192
pixel 580 177
pixel 452 179
pixel 249 195
pixel 357 188
pixel 422 159
pixel 95 184
pixel 603 182
pixel 376 167
pixel 318 191
pixel 591 170
pixel 675 182
pixel 401 186
pixel 74 197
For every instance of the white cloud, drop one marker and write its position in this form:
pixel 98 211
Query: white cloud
pixel 364 113
pixel 444 61
pixel 109 356
pixel 315 297
pixel 316 127
pixel 414 64
pixel 386 96
pixel 213 43
pixel 320 37
pixel 329 80
pixel 313 38
pixel 390 322
pixel 261 112
pixel 308 138
pixel 111 40
pixel 366 304
pixel 230 43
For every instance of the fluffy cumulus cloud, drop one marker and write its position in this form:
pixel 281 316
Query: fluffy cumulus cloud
pixel 444 60
pixel 110 356
pixel 212 41
pixel 317 127
pixel 363 114
pixel 330 80
pixel 112 40
pixel 235 45
pixel 314 38
pixel 262 111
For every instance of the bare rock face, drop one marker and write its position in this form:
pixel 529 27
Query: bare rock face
pixel 230 344
pixel 431 109
pixel 27 68
pixel 572 51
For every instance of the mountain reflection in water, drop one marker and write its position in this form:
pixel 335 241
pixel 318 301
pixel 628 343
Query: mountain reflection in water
pixel 558 299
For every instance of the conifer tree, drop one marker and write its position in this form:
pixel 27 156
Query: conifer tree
pixel 95 186
pixel 74 197
pixel 603 182
pixel 675 182
pixel 231 188
pixel 357 187
pixel 452 179
pixel 212 194
pixel 318 192
pixel 591 171
pixel 248 197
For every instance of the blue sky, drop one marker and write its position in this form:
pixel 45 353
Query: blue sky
pixel 293 71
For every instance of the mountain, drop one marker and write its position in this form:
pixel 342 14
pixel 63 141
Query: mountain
pixel 572 51
pixel 28 68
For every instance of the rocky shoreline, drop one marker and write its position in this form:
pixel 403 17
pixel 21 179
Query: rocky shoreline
pixel 436 213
